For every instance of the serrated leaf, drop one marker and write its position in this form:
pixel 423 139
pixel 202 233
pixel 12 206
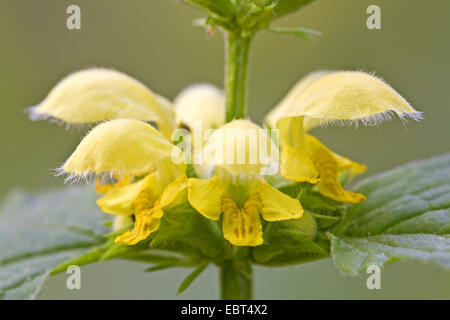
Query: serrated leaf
pixel 41 231
pixel 192 276
pixel 400 200
pixel 406 216
pixel 300 32
pixel 354 255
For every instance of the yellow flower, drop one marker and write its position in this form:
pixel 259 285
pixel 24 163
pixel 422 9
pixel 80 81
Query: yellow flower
pixel 94 95
pixel 146 199
pixel 241 203
pixel 240 148
pixel 121 222
pixel 330 97
pixel 147 169
pixel 238 189
pixel 120 147
pixel 126 149
pixel 120 181
pixel 291 99
pixel 200 102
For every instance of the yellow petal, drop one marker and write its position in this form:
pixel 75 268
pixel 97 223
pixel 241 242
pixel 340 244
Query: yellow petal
pixel 297 165
pixel 120 200
pixel 350 96
pixel 276 205
pixel 201 102
pixel 168 109
pixel 345 163
pixel 206 196
pixel 168 172
pixel 146 223
pixel 148 214
pixel 171 193
pixel 100 94
pixel 121 222
pixel 242 227
pixel 121 147
pixel 327 167
pixel 293 98
pixel 242 148
pixel 104 188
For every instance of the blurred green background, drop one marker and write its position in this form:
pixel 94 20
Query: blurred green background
pixel 154 41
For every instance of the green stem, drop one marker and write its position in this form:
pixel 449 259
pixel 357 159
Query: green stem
pixel 236 281
pixel 237 50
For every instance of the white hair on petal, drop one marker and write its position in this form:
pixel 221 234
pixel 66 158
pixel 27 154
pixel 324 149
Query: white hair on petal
pixel 371 121
pixel 34 115
pixel 105 177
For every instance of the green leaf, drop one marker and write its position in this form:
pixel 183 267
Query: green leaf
pixel 284 7
pixel 406 216
pixel 192 276
pixel 91 256
pixel 279 182
pixel 183 228
pixel 289 242
pixel 323 221
pixel 353 255
pixel 161 266
pixel 300 32
pixel 41 231
pixel 220 8
pixel 317 203
pixel 253 15
pixel 249 16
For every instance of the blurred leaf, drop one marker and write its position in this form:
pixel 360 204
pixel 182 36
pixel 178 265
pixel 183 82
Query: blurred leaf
pixel 221 8
pixel 91 256
pixel 161 266
pixel 279 182
pixel 300 32
pixel 315 202
pixel 249 16
pixel 284 7
pixel 345 177
pixel 255 14
pixel 306 224
pixel 353 255
pixel 192 276
pixel 41 231
pixel 406 216
pixel 324 221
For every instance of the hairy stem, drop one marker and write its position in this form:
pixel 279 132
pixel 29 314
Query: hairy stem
pixel 236 281
pixel 236 60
